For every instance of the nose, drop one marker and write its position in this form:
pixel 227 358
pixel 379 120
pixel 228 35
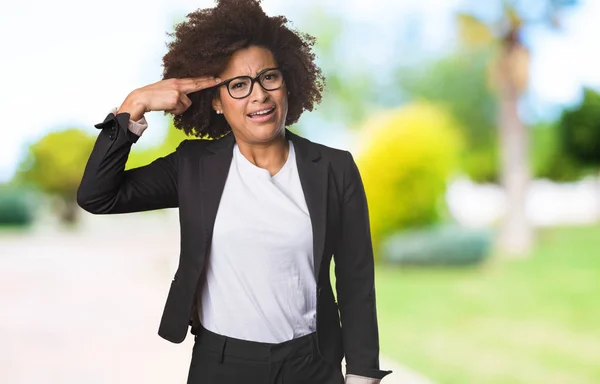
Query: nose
pixel 258 93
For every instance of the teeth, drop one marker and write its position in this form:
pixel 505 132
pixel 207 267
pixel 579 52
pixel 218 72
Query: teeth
pixel 262 112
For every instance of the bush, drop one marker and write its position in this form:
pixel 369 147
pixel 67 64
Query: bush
pixel 444 245
pixel 406 160
pixel 549 159
pixel 580 130
pixel 16 207
pixel 55 165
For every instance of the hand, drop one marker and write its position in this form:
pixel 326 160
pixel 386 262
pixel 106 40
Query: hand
pixel 168 95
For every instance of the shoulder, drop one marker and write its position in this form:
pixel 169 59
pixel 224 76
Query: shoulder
pixel 193 147
pixel 339 159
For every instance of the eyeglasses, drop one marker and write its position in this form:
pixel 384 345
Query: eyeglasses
pixel 240 87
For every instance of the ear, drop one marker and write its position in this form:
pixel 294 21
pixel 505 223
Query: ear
pixel 216 104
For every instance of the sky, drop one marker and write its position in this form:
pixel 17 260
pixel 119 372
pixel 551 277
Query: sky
pixel 66 63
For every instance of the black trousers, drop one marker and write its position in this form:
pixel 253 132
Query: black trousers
pixel 218 359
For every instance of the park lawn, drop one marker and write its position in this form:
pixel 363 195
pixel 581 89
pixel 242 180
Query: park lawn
pixel 534 320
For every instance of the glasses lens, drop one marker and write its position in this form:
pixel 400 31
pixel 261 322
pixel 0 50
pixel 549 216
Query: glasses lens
pixel 240 87
pixel 271 80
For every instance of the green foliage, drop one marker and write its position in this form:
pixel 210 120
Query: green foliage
pixel 350 90
pixel 549 160
pixel 407 157
pixel 580 130
pixel 493 36
pixel 55 163
pixel 16 207
pixel 459 82
pixel 441 245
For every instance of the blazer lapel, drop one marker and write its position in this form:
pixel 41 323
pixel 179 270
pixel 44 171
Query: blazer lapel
pixel 214 170
pixel 313 178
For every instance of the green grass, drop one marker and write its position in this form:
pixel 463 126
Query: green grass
pixel 533 320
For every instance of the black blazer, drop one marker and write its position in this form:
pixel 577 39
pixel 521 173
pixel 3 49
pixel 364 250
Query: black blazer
pixel 193 177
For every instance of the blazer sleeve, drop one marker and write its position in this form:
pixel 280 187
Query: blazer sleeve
pixel 107 188
pixel 355 280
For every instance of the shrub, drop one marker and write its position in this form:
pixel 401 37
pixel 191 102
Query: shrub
pixel 55 165
pixel 549 159
pixel 407 157
pixel 580 130
pixel 443 245
pixel 16 207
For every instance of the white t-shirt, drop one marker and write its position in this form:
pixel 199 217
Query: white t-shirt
pixel 260 283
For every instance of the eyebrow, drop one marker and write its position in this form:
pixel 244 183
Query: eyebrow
pixel 257 73
pixel 253 77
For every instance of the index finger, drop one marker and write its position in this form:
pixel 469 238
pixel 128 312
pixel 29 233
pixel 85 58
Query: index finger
pixel 194 84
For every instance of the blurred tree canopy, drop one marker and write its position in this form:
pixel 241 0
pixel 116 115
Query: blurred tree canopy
pixel 351 90
pixel 55 165
pixel 549 159
pixel 459 82
pixel 580 131
pixel 407 158
pixel 509 74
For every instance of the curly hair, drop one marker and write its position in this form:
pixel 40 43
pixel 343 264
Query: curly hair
pixel 204 43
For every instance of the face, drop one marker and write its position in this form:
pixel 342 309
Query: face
pixel 240 113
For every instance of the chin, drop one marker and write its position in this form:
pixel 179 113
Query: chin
pixel 264 132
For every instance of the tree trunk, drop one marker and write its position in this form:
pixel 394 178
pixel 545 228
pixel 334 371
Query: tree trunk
pixel 516 233
pixel 69 212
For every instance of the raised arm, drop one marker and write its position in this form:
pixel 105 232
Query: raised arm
pixel 106 187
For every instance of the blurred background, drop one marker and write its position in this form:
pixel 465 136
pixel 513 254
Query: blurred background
pixel 476 128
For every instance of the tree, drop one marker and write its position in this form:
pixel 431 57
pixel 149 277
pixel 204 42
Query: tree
pixel 549 158
pixel 580 133
pixel 55 165
pixel 580 130
pixel 351 90
pixel 458 82
pixel 509 72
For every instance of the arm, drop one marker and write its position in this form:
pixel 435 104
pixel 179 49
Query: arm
pixel 107 188
pixel 355 283
pixel 138 127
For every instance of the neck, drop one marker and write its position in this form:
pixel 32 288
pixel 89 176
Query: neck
pixel 270 155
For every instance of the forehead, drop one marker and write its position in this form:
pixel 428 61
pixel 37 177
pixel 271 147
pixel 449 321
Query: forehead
pixel 249 62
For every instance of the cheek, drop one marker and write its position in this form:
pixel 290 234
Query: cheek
pixel 235 106
pixel 285 102
pixel 283 97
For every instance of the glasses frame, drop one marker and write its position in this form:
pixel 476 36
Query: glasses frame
pixel 252 81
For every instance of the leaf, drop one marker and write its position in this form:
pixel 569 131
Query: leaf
pixel 473 32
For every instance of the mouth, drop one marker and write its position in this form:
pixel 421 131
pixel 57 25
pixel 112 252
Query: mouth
pixel 263 114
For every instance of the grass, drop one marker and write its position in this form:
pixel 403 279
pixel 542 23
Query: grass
pixel 533 320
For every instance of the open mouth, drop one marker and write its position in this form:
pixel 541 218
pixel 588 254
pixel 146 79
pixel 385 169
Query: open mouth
pixel 262 115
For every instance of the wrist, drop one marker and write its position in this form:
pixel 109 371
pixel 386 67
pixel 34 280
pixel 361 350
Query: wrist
pixel 134 107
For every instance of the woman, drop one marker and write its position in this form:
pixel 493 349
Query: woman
pixel 262 210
